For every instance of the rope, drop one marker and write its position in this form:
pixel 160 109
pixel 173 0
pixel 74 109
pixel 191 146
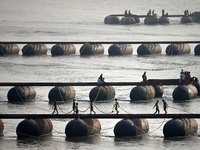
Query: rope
pixel 158 127
pixel 19 95
pixel 26 47
pixel 58 131
pixel 102 111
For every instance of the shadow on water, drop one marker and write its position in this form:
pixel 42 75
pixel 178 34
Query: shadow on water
pixel 85 139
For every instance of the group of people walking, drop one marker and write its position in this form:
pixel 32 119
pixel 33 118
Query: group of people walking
pixel 116 105
pixel 165 105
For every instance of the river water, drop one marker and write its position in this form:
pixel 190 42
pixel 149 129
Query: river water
pixel 81 20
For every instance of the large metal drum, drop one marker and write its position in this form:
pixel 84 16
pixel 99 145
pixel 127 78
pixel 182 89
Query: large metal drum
pixel 63 49
pixel 34 127
pixel 131 127
pixel 34 49
pixel 91 49
pixel 8 49
pixel 147 49
pixel 62 93
pixel 185 92
pixel 21 94
pixel 180 127
pixel 112 20
pixel 174 49
pixel 142 93
pixel 102 93
pixel 1 127
pixel 82 127
pixel 197 50
pixel 120 49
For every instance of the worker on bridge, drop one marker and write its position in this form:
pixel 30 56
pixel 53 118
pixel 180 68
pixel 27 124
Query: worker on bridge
pixel 144 77
pixel 55 107
pixel 92 108
pixel 157 107
pixel 116 105
pixel 165 105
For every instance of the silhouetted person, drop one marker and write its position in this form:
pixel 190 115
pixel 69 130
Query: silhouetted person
pixel 163 12
pixel 92 108
pixel 144 77
pixel 129 13
pixel 149 12
pixel 74 106
pixel 77 111
pixel 165 105
pixel 125 13
pixel 100 79
pixel 157 107
pixel 55 107
pixel 116 105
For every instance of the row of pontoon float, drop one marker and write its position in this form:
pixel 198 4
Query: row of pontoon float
pixel 105 93
pixel 91 49
pixel 86 127
pixel 151 18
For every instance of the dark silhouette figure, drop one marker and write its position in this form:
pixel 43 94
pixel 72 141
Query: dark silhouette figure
pixel 165 105
pixel 77 111
pixel 157 107
pixel 144 77
pixel 74 106
pixel 55 107
pixel 125 13
pixel 100 79
pixel 92 108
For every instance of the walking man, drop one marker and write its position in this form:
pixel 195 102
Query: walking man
pixel 55 107
pixel 77 111
pixel 74 106
pixel 91 108
pixel 157 107
pixel 116 105
pixel 165 105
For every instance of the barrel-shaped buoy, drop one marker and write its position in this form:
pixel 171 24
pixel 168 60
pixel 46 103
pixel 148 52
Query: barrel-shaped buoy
pixel 21 94
pixel 120 49
pixel 34 49
pixel 151 20
pixel 1 127
pixel 90 49
pixel 147 49
pixel 137 19
pixel 34 127
pixel 131 127
pixel 186 19
pixel 102 93
pixel 8 49
pixel 185 92
pixel 197 85
pixel 158 90
pixel 62 93
pixel 63 49
pixel 127 20
pixel 197 50
pixel 180 127
pixel 163 20
pixel 112 20
pixel 82 127
pixel 142 93
pixel 174 49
